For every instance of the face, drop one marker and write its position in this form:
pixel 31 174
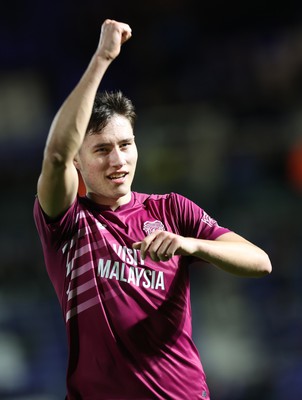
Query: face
pixel 107 163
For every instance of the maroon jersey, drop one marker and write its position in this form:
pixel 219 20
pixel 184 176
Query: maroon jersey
pixel 128 320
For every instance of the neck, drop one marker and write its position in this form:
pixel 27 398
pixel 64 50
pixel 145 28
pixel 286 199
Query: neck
pixel 112 203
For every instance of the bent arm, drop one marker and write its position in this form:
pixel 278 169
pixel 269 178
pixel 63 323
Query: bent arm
pixel 230 252
pixel 58 181
pixel 234 254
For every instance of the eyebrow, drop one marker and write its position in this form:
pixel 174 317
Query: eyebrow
pixel 126 140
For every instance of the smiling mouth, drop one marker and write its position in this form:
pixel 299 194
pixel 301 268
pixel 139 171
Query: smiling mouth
pixel 117 176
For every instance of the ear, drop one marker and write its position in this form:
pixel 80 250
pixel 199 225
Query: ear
pixel 81 188
pixel 76 163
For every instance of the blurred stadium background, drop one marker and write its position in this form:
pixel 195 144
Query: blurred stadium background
pixel 218 91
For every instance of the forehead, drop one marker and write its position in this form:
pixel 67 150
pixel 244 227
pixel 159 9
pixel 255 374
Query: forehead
pixel 117 129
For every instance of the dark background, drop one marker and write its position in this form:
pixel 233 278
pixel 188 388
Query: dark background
pixel 217 89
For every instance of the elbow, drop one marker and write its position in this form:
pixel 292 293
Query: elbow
pixel 264 266
pixel 54 158
pixel 57 159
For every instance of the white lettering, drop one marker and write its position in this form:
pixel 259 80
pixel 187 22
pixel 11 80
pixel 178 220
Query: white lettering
pixel 120 251
pixel 160 281
pixel 122 276
pixel 104 272
pixel 138 274
pixel 146 283
pixel 133 275
pixel 152 279
pixel 130 260
pixel 115 271
pixel 130 256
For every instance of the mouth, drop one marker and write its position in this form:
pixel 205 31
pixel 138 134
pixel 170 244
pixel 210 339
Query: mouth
pixel 118 177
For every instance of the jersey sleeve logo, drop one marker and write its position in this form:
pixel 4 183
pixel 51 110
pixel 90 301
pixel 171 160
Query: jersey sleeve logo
pixel 208 220
pixel 152 226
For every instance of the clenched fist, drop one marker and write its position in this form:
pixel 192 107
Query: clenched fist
pixel 162 246
pixel 113 35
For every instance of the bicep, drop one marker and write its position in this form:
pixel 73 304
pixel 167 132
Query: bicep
pixel 57 187
pixel 236 239
pixel 232 237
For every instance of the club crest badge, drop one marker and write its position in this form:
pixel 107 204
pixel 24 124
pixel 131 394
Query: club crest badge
pixel 151 226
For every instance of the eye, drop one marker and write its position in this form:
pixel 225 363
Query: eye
pixel 102 150
pixel 125 145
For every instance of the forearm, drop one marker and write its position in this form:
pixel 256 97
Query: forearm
pixel 230 252
pixel 238 257
pixel 70 123
pixel 68 129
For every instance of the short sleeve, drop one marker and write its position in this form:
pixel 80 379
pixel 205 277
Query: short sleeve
pixel 195 221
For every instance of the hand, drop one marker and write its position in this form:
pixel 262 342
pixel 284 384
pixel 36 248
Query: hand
pixel 113 35
pixel 162 246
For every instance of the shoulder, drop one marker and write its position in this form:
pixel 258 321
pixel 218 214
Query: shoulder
pixel 172 204
pixel 61 226
pixel 167 197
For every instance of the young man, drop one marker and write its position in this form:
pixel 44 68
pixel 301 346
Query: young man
pixel 118 259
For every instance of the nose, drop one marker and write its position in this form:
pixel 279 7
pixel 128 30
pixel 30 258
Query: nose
pixel 116 158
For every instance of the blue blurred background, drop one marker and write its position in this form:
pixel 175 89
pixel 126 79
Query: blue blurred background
pixel 218 91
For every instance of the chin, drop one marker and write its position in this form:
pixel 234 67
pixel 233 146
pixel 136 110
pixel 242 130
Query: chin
pixel 121 193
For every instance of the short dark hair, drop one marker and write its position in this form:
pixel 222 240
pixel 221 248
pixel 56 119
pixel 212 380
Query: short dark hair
pixel 106 105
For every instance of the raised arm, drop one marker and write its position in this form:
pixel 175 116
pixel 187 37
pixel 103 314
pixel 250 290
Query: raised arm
pixel 58 181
